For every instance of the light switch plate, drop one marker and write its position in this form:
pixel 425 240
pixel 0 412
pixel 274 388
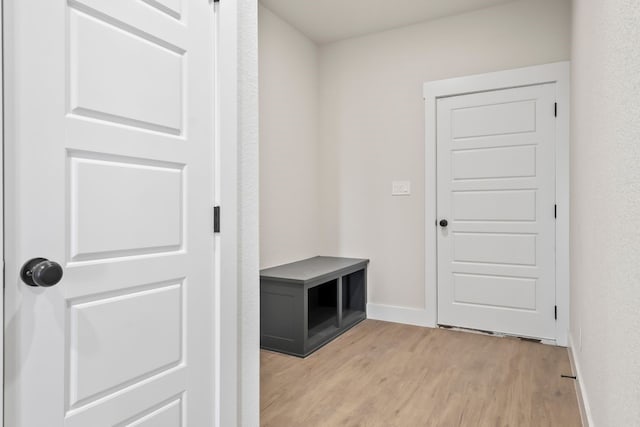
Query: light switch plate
pixel 401 188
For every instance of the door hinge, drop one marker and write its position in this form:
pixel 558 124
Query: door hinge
pixel 555 110
pixel 555 312
pixel 216 219
pixel 555 211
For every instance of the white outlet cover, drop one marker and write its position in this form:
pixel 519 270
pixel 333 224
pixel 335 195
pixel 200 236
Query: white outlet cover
pixel 401 188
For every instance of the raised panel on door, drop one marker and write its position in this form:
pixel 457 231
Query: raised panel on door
pixel 494 248
pixel 497 119
pixel 494 163
pixel 110 74
pixel 491 205
pixel 496 188
pixel 113 158
pixel 100 224
pixel 118 340
pixel 494 291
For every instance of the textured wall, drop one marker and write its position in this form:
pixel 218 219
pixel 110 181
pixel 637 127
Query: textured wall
pixel 289 191
pixel 605 194
pixel 372 127
pixel 248 196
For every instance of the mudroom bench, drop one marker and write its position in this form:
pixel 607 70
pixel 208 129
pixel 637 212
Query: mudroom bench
pixel 306 304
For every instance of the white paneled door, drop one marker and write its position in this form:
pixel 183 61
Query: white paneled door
pixel 109 165
pixel 496 208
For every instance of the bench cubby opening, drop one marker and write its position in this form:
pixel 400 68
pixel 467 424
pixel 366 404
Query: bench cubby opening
pixel 306 304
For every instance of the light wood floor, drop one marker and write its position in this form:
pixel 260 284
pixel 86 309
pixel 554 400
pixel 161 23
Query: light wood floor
pixel 386 374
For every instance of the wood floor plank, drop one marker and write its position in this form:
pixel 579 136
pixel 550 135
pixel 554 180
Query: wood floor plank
pixel 386 374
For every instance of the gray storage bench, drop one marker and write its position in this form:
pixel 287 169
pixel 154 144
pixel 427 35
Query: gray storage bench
pixel 306 304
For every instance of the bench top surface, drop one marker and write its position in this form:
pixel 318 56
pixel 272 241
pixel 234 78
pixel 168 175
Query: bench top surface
pixel 312 268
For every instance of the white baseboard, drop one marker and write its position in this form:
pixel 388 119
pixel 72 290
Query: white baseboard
pixel 390 313
pixel 583 401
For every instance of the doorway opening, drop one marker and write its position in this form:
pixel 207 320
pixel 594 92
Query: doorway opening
pixel 345 172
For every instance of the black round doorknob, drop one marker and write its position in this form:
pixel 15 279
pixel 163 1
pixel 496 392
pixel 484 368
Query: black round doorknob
pixel 444 223
pixel 41 272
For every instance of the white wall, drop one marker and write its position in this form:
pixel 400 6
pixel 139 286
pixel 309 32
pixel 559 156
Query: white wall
pixel 289 186
pixel 248 197
pixel 372 127
pixel 605 221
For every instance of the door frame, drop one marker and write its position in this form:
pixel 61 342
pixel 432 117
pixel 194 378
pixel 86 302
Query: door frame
pixel 2 65
pixel 226 324
pixel 558 73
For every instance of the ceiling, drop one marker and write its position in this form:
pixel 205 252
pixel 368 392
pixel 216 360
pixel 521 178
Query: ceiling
pixel 325 21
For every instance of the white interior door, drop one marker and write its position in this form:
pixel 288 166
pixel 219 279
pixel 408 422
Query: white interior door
pixel 496 190
pixel 109 165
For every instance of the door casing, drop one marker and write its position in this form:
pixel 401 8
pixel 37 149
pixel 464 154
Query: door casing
pixel 558 73
pixel 226 146
pixel 2 208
